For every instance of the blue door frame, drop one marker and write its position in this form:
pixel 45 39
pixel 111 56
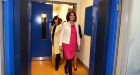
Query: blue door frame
pixel 12 23
pixel 93 36
pixel 110 38
pixel 9 38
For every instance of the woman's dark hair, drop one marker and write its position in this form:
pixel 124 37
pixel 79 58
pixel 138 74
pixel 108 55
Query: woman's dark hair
pixel 55 17
pixel 68 16
pixel 60 20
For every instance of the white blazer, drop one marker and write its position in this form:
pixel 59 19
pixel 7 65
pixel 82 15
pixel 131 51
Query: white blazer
pixel 57 39
pixel 66 32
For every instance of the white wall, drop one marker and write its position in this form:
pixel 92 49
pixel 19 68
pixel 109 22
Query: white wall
pixel 61 10
pixel 124 36
pixel 133 65
pixel 84 54
pixel 1 42
pixel 71 1
pixel 128 57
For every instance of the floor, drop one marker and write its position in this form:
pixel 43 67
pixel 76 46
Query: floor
pixel 47 68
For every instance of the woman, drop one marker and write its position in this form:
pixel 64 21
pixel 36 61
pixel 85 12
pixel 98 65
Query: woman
pixel 69 38
pixel 56 29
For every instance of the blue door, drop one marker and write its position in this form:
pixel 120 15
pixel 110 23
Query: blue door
pixel 41 17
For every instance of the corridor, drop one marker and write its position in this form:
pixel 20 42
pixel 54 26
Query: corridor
pixel 109 45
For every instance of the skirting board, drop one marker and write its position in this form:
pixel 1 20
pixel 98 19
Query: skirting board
pixel 81 63
pixel 41 58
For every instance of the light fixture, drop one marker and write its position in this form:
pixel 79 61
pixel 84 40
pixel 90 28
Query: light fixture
pixel 48 3
pixel 38 19
pixel 43 15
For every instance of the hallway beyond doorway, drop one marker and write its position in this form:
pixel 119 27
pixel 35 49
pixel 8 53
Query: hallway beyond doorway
pixel 46 68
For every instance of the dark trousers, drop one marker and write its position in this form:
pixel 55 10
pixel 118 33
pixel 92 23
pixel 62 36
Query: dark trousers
pixel 68 66
pixel 57 60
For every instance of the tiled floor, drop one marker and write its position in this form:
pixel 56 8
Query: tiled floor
pixel 46 68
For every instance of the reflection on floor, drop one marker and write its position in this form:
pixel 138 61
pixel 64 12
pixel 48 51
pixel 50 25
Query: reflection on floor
pixel 46 68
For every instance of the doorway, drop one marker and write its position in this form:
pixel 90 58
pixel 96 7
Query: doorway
pixel 42 56
pixel 40 40
pixel 23 39
pixel 42 14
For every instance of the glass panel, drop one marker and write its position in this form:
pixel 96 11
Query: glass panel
pixel 43 24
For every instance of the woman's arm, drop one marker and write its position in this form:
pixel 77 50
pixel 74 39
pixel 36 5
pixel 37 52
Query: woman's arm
pixel 78 39
pixel 61 35
pixel 78 34
pixel 51 28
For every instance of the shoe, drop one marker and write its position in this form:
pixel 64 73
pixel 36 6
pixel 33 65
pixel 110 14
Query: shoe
pixel 66 71
pixel 75 68
pixel 70 74
pixel 56 68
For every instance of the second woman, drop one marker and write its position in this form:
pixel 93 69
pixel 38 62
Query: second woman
pixel 56 29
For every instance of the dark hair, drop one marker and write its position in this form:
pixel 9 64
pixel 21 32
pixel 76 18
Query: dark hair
pixel 68 16
pixel 60 20
pixel 55 17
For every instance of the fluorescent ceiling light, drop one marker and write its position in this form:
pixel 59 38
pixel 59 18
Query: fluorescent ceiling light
pixel 48 3
pixel 43 15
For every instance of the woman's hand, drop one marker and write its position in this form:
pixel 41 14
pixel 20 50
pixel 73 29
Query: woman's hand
pixel 60 47
pixel 78 48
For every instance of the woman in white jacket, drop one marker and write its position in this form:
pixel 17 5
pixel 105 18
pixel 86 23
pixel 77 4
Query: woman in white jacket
pixel 56 29
pixel 69 38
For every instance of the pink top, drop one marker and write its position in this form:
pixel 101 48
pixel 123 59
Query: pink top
pixel 70 49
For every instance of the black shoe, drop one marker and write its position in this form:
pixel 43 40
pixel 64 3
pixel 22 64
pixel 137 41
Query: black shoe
pixel 56 68
pixel 66 71
pixel 70 74
pixel 75 69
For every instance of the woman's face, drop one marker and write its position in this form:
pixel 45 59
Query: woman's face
pixel 72 17
pixel 56 21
